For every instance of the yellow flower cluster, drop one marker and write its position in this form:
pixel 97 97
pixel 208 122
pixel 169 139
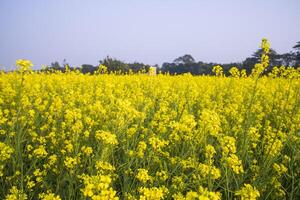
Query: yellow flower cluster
pixel 106 137
pixel 104 167
pixel 209 152
pixel 248 192
pixel 49 196
pixel 98 187
pixel 143 175
pixel 87 150
pixel 15 194
pixel 209 170
pixel 24 65
pixel 157 143
pixel 5 154
pixel 141 149
pixel 235 164
pixel 202 193
pixel 71 163
pixel 218 70
pixel 40 152
pixel 228 152
pixel 234 72
pixel 153 193
pixel 260 67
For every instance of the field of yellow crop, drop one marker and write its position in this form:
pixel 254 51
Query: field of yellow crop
pixel 75 136
pixel 148 137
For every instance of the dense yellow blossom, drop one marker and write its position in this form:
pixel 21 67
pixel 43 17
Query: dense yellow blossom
pixel 40 152
pixel 202 193
pixel 141 149
pixel 157 143
pixel 106 137
pixel 5 152
pixel 49 196
pixel 104 167
pixel 98 187
pixel 15 194
pixel 218 70
pixel 143 175
pixel 153 193
pixel 234 72
pixel 279 168
pixel 24 65
pixel 87 150
pixel 208 170
pixel 228 145
pixel 109 136
pixel 248 192
pixel 70 162
pixel 209 152
pixel 235 164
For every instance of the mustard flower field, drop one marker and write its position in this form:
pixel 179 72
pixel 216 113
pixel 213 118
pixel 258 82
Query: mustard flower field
pixel 106 136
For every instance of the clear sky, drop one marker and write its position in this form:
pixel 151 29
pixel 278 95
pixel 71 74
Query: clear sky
pixel 149 31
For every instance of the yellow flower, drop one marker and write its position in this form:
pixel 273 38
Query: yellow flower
pixel 40 152
pixel 209 152
pixel 70 162
pixel 52 159
pixel 69 146
pixel 218 70
pixel 234 72
pixel 24 65
pixel 87 150
pixel 5 152
pixel 15 194
pixel 104 167
pixel 157 143
pixel 143 175
pixel 163 175
pixel 210 122
pixel 208 170
pixel 235 164
pixel 153 193
pixel 204 194
pixel 39 175
pixel 142 146
pixel 228 145
pixel 279 168
pixel 98 187
pixel 248 192
pixel 30 184
pixel 49 196
pixel 106 137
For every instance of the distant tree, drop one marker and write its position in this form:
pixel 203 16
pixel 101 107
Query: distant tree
pixel 87 68
pixel 227 67
pixel 249 63
pixel 55 65
pixel 187 64
pixel 136 67
pixel 297 54
pixel 297 46
pixel 186 59
pixel 287 59
pixel 64 63
pixel 114 65
pixel 274 58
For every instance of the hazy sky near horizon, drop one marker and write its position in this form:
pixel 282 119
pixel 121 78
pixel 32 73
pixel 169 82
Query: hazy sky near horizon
pixel 149 31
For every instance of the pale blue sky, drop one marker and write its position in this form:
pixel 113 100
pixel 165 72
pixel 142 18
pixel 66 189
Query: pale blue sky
pixel 152 31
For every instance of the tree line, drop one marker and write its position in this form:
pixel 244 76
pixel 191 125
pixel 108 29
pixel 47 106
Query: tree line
pixel 187 64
